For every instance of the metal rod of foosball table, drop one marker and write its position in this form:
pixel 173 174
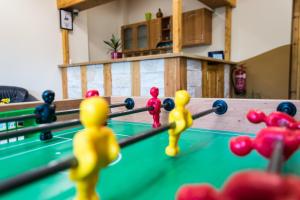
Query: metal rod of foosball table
pixel 276 161
pixel 63 124
pixel 28 177
pixel 37 174
pixel 74 111
pixel 18 118
pixel 145 135
pixel 204 113
pixel 62 112
pixel 138 110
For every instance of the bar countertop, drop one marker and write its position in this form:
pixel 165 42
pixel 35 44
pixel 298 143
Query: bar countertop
pixel 150 57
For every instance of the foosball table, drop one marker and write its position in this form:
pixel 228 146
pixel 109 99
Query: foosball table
pixel 142 148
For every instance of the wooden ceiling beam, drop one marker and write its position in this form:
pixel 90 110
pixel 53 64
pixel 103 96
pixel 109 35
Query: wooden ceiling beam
pixel 63 4
pixel 219 3
pixel 79 4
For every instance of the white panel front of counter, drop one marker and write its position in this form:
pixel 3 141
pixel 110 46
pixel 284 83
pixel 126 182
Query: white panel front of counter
pixel 152 73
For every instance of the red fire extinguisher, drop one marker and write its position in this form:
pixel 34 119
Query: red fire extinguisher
pixel 239 80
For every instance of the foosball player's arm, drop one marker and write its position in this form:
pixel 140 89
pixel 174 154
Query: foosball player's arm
pixel 86 157
pixel 37 111
pixel 190 120
pixel 54 117
pixel 114 148
pixel 180 126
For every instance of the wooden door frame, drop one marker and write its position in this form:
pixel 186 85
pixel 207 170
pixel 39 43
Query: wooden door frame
pixel 294 83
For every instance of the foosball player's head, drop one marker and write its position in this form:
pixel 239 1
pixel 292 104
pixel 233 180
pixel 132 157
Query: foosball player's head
pixel 48 96
pixel 93 112
pixel 92 93
pixel 182 98
pixel 154 92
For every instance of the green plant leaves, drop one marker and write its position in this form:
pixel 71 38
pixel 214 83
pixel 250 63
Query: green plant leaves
pixel 114 43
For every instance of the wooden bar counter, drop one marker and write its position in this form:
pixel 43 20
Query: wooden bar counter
pixel 134 76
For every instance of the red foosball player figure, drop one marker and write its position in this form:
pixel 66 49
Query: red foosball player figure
pixel 92 93
pixel 156 104
pixel 278 119
pixel 248 185
pixel 264 142
pixel 252 185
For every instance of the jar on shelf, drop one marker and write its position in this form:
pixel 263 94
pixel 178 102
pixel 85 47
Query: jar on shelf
pixel 159 14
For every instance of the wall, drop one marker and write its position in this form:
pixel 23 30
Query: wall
pixel 103 21
pixel 138 8
pixel 78 38
pixel 268 74
pixel 30 45
pixel 259 26
pixel 261 39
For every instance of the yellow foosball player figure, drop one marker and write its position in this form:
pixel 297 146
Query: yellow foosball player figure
pixel 5 101
pixel 95 147
pixel 182 119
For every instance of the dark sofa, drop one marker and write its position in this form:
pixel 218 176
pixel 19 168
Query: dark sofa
pixel 16 94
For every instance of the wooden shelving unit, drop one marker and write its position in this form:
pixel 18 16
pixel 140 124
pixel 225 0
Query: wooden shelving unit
pixel 219 3
pixel 166 26
pixel 155 51
pixel 79 4
pixel 197 27
pixel 158 33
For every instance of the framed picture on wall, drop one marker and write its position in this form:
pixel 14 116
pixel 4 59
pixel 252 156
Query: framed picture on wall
pixel 66 19
pixel 216 54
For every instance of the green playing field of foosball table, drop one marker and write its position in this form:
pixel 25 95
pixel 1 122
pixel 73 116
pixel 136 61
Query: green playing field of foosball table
pixel 142 171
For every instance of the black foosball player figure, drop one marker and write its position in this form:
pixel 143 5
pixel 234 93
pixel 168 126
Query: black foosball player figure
pixel 46 113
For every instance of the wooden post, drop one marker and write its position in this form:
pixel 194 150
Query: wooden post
pixel 65 46
pixel 107 79
pixel 83 71
pixel 232 3
pixel 177 26
pixel 228 22
pixel 64 82
pixel 135 78
pixel 295 53
pixel 175 75
pixel 66 60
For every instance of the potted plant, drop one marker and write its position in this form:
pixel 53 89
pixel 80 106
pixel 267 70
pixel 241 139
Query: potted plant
pixel 114 44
